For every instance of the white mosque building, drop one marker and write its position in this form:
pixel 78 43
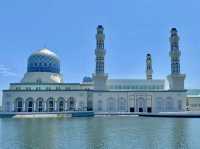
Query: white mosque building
pixel 42 88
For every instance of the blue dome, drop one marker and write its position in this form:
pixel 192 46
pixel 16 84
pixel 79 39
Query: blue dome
pixel 87 79
pixel 43 61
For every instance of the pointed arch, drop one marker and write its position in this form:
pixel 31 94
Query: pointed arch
pixel 19 104
pixel 122 105
pixel 29 105
pixel 111 104
pixel 169 104
pixel 50 104
pixel 131 103
pixel 159 104
pixel 99 105
pixel 61 104
pixel 40 104
pixel 71 104
pixel 141 104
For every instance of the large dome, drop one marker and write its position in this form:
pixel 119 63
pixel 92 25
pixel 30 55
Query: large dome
pixel 43 60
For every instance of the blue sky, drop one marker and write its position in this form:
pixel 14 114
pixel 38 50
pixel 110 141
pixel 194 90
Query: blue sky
pixel 132 28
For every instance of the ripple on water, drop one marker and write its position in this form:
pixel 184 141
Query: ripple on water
pixel 100 133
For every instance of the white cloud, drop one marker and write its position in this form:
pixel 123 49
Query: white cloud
pixel 6 71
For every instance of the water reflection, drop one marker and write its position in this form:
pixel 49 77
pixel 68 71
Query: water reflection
pixel 100 133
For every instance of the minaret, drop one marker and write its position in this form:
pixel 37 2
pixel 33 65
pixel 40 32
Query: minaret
pixel 99 76
pixel 149 69
pixel 175 53
pixel 176 79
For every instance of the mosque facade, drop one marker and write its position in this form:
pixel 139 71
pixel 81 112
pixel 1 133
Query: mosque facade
pixel 42 88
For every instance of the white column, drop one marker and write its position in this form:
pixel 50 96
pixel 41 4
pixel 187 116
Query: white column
pixel 55 105
pixel 24 106
pixel 66 103
pixel 34 106
pixel 45 106
pixel 12 106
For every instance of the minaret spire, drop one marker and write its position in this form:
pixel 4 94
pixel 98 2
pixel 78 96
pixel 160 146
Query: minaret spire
pixel 100 51
pixel 149 69
pixel 176 79
pixel 99 76
pixel 175 53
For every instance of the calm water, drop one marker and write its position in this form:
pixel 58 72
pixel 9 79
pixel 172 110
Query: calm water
pixel 100 133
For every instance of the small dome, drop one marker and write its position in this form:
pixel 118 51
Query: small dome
pixel 148 54
pixel 100 29
pixel 87 79
pixel 100 26
pixel 43 60
pixel 174 31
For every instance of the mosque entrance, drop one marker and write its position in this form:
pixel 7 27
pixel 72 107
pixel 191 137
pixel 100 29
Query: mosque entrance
pixel 149 109
pixel 132 109
pixel 141 109
pixel 141 104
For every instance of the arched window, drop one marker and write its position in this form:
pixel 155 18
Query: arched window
pixel 61 104
pixel 159 105
pixel 19 105
pixel 99 105
pixel 50 105
pixel 111 105
pixel 169 104
pixel 132 103
pixel 71 104
pixel 8 107
pixel 122 105
pixel 141 104
pixel 29 105
pixel 40 105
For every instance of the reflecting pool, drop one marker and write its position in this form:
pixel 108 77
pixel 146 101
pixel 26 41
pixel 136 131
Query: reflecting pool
pixel 115 132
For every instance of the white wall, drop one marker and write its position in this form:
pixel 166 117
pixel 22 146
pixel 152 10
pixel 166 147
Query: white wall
pixel 108 101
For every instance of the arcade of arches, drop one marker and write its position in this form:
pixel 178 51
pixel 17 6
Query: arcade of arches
pixel 48 105
pixel 111 104
pixel 140 104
